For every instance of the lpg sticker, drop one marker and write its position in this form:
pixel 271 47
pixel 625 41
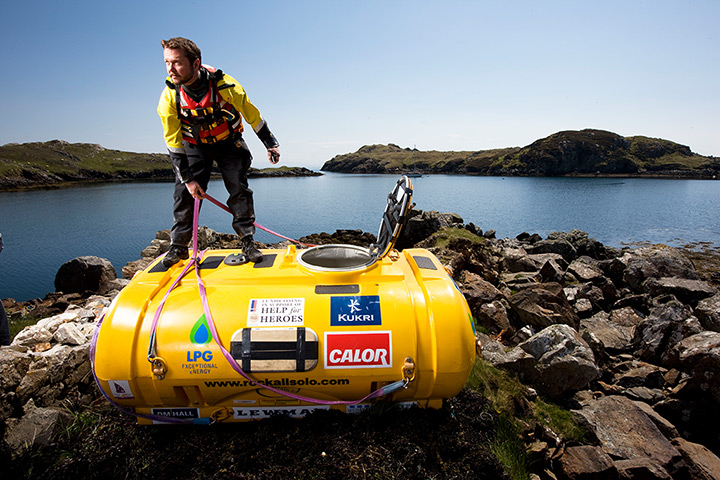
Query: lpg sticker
pixel 256 413
pixel 120 389
pixel 355 311
pixel 276 311
pixel 199 360
pixel 358 349
pixel 175 413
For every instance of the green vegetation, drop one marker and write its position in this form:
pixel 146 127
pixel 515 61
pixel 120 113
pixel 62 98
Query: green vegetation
pixel 70 160
pixel 57 162
pixel 17 325
pixel 449 235
pixel 515 409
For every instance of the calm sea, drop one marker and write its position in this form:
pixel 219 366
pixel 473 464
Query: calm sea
pixel 43 229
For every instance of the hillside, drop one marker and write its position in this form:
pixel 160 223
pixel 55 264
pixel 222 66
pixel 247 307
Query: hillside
pixel 585 152
pixel 57 162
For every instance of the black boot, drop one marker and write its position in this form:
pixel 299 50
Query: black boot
pixel 174 255
pixel 250 250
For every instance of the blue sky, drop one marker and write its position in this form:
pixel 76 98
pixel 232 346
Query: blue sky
pixel 332 76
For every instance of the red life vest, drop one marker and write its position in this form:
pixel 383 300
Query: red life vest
pixel 210 120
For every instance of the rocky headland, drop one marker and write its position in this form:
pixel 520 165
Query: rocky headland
pixel 58 163
pixel 624 342
pixel 568 153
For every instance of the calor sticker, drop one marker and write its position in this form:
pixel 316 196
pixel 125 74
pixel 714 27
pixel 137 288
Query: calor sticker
pixel 358 349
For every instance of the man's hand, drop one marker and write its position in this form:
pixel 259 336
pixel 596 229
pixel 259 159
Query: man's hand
pixel 195 189
pixel 274 155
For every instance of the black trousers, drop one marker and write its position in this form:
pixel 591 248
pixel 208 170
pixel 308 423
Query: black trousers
pixel 233 159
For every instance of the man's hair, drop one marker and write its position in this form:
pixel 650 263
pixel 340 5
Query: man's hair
pixel 191 50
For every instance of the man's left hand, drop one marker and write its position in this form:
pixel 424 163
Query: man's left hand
pixel 273 155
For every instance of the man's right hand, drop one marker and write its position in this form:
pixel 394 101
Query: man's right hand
pixel 195 189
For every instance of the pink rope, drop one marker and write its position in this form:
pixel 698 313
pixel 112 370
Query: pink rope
pixel 233 363
pixel 224 207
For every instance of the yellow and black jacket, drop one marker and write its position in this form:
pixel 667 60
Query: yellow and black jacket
pixel 216 117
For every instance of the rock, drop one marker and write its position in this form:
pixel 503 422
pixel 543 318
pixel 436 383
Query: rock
pixel 516 260
pixel 699 355
pixel 13 367
pixel 85 274
pixel 701 463
pixel 559 246
pixel 666 427
pixel 594 294
pixel 551 272
pixel 686 290
pixel 32 335
pixel 611 333
pixel 584 272
pixel 586 462
pixel 625 432
pixel 477 291
pixel 584 308
pixel 423 224
pixel 543 305
pixel 666 326
pixel 69 334
pixel 494 315
pixel 55 374
pixel 640 302
pixel 656 262
pixel 644 375
pixel 37 428
pixel 51 324
pixel 708 312
pixel 586 246
pixel 564 362
pixel 644 394
pixel 641 469
pixel 514 359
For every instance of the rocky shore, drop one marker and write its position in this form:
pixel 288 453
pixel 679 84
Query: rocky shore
pixel 627 340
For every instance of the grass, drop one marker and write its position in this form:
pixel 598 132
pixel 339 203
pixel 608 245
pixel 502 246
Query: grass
pixel 505 393
pixel 447 235
pixel 509 449
pixel 17 325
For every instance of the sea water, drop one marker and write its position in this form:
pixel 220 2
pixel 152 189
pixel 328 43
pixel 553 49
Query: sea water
pixel 42 229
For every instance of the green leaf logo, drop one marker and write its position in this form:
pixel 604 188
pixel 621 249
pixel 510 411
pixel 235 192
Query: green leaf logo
pixel 200 333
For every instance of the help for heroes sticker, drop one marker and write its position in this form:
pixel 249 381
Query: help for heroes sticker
pixel 264 312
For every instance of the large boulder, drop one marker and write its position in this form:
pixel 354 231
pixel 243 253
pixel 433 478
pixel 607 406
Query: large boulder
pixel 39 427
pixel 684 289
pixel 708 312
pixel 586 462
pixel 626 433
pixel 542 305
pixel 424 224
pixel 667 325
pixel 699 355
pixel 611 332
pixel 701 463
pixel 559 246
pixel 655 262
pixel 83 274
pixel 564 361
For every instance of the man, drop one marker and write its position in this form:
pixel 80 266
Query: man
pixel 202 111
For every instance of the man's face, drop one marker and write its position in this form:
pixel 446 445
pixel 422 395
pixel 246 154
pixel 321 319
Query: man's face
pixel 179 67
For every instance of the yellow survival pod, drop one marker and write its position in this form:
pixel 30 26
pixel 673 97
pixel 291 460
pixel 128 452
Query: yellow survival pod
pixel 331 326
